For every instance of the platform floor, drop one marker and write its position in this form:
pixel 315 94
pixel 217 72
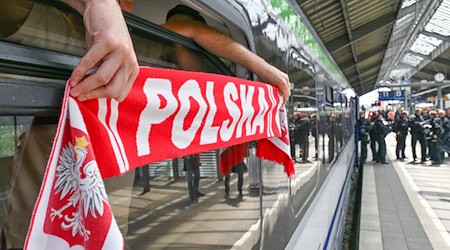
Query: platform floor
pixel 405 205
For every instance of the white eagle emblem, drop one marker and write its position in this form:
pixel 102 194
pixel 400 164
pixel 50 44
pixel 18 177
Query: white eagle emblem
pixel 86 194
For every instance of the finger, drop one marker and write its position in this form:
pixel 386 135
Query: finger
pixel 92 57
pixel 112 90
pixel 126 89
pixel 102 77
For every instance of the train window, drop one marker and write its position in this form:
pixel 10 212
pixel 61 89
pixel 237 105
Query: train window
pixel 35 24
pixel 158 215
pixel 43 26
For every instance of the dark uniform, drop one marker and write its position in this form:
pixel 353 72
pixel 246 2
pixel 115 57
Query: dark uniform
pixel 303 127
pixel 364 127
pixel 313 129
pixel 373 139
pixel 445 137
pixel 331 128
pixel 401 129
pixel 415 123
pixel 381 131
pixel 436 128
pixel 292 137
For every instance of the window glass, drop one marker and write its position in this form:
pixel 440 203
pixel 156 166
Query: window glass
pixel 153 51
pixel 47 27
pixel 24 151
pixel 43 26
pixel 151 204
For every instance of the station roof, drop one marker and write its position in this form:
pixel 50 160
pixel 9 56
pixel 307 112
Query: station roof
pixel 378 41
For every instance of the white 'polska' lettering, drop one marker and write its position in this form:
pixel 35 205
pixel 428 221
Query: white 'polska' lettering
pixel 153 113
pixel 247 110
pixel 263 109
pixel 209 132
pixel 277 113
pixel 183 138
pixel 230 95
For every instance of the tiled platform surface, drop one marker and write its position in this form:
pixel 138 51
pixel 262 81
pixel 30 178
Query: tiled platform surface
pixel 404 205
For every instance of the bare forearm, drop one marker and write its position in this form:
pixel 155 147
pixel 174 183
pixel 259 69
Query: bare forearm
pixel 227 48
pixel 81 5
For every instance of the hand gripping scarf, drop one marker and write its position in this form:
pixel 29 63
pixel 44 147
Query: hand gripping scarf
pixel 167 114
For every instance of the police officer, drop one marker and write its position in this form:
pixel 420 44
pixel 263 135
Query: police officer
pixel 415 123
pixel 303 128
pixel 445 137
pixel 381 130
pixel 436 128
pixel 364 127
pixel 373 136
pixel 401 127
pixel 313 118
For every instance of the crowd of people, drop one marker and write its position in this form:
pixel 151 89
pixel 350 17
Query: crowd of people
pixel 431 128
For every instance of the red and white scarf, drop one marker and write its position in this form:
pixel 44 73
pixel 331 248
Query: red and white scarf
pixel 167 114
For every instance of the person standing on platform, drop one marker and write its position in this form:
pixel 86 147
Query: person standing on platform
pixel 364 128
pixel 373 136
pixel 240 169
pixel 401 127
pixel 192 167
pixel 447 112
pixel 436 128
pixel 304 126
pixel 444 140
pixel 381 130
pixel 415 123
pixel 313 118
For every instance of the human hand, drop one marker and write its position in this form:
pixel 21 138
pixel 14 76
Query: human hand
pixel 110 51
pixel 271 75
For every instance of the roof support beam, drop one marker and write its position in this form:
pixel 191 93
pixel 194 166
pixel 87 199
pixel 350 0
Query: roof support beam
pixel 419 55
pixel 413 33
pixel 438 36
pixel 362 57
pixel 368 83
pixel 350 35
pixel 365 71
pixel 427 71
pixel 442 61
pixel 361 32
pixel 405 11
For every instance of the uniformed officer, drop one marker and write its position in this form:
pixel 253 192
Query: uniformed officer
pixel 415 123
pixel 303 129
pixel 373 136
pixel 436 128
pixel 313 129
pixel 381 130
pixel 445 137
pixel 401 127
pixel 364 127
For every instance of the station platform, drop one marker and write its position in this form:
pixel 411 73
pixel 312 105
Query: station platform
pixel 405 205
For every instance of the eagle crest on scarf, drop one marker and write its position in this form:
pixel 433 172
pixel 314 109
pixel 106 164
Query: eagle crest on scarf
pixel 82 184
